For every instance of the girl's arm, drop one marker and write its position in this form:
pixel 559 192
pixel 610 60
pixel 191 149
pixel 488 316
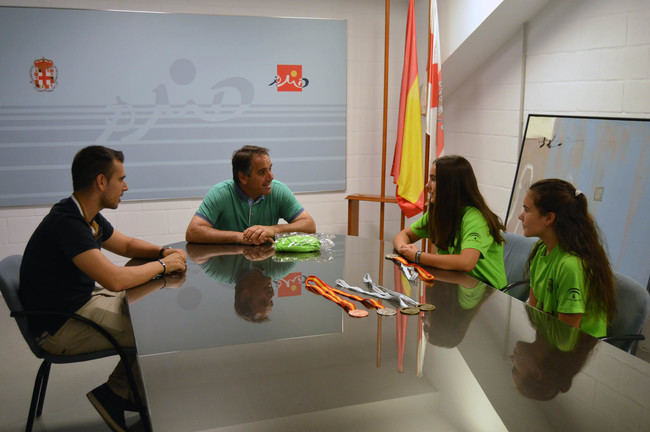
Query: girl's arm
pixel 571 319
pixel 465 261
pixel 404 238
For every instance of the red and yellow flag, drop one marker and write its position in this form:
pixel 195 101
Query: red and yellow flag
pixel 408 170
pixel 434 84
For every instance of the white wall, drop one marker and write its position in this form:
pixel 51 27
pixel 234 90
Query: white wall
pixel 459 18
pixel 482 122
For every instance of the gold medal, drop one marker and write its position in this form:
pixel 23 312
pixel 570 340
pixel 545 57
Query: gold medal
pixel 409 310
pixel 426 307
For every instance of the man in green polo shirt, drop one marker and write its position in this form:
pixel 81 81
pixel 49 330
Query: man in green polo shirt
pixel 247 208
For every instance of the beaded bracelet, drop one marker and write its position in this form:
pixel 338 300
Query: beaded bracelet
pixel 164 266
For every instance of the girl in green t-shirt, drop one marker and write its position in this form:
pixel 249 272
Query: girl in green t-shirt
pixel 465 231
pixel 570 275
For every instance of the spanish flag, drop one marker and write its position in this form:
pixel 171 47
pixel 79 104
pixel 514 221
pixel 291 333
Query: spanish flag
pixel 408 170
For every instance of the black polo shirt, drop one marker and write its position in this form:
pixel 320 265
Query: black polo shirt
pixel 49 280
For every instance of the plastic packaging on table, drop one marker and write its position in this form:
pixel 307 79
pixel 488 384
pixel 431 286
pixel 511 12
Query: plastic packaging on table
pixel 301 242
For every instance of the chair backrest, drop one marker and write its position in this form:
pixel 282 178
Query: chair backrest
pixel 632 305
pixel 9 283
pixel 516 251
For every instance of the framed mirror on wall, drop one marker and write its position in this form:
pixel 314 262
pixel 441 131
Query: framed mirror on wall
pixel 608 159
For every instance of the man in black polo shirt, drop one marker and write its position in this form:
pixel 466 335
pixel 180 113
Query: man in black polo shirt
pixel 63 261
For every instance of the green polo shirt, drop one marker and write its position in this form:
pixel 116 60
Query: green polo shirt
pixel 227 208
pixel 474 234
pixel 228 269
pixel 558 283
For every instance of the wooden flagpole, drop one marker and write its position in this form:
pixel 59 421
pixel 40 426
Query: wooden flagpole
pixel 427 143
pixel 385 121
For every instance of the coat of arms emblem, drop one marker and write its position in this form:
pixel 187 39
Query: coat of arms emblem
pixel 43 74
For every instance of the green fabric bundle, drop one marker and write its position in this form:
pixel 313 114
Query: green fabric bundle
pixel 297 243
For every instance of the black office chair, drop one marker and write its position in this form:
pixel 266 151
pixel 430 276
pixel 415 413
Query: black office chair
pixel 516 251
pixel 9 282
pixel 632 305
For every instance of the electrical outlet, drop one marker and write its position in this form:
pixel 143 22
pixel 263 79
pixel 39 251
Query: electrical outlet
pixel 598 193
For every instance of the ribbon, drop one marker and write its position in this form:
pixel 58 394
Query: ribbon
pixel 375 293
pixel 403 299
pixel 317 286
pixel 424 275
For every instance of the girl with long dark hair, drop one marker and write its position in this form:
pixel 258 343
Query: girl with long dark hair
pixel 466 233
pixel 570 275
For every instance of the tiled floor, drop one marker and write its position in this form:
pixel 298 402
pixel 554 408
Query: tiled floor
pixel 66 407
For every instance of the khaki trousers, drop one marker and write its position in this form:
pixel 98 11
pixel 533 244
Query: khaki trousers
pixel 109 310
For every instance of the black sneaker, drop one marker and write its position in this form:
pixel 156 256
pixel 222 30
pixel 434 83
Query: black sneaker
pixel 131 406
pixel 110 406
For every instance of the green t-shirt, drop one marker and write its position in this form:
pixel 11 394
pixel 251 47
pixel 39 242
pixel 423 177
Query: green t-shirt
pixel 558 334
pixel 227 208
pixel 469 298
pixel 558 283
pixel 474 234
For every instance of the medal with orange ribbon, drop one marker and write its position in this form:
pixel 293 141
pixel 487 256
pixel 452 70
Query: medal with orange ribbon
pixel 317 286
pixel 424 275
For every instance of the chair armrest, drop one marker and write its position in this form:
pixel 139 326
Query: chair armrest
pixel 627 337
pixel 515 284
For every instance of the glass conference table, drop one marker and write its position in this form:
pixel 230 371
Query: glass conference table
pixel 239 344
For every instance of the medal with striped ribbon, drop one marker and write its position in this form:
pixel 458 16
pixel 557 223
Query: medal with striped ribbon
pixel 424 275
pixel 317 286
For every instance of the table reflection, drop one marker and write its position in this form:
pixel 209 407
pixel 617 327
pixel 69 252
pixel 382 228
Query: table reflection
pixel 226 293
pixel 545 367
pixel 457 300
pixel 250 269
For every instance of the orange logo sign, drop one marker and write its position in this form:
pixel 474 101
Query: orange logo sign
pixel 289 78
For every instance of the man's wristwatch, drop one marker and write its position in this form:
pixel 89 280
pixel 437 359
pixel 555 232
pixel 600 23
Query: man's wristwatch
pixel 161 252
pixel 417 257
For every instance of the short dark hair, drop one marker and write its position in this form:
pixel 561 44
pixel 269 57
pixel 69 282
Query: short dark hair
pixel 91 161
pixel 242 160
